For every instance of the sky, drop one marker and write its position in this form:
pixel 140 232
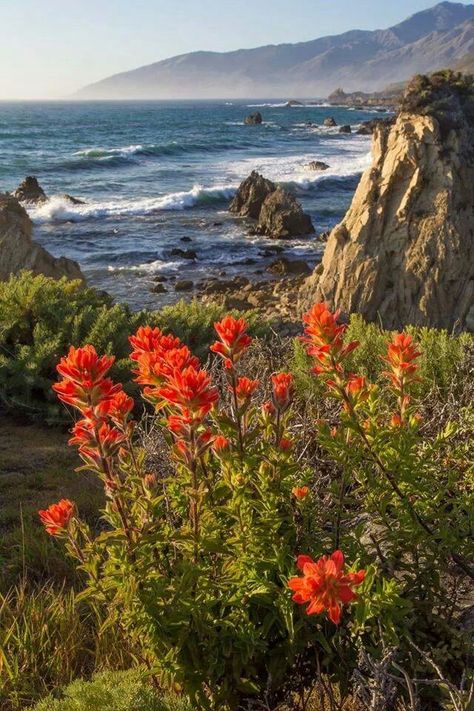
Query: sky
pixel 49 49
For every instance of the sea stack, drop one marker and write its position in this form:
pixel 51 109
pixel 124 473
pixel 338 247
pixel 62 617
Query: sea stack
pixel 404 253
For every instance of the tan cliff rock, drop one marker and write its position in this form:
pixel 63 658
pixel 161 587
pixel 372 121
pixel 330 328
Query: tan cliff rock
pixel 19 251
pixel 404 253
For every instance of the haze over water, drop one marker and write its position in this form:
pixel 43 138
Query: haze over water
pixel 152 173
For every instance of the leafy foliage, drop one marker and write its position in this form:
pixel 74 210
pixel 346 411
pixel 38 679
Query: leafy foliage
pixel 112 691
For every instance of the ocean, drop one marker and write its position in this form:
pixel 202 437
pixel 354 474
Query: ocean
pixel 153 173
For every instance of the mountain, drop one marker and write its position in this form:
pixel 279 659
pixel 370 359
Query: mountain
pixel 359 59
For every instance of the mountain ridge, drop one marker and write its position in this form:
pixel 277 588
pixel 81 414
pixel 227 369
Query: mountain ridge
pixel 359 59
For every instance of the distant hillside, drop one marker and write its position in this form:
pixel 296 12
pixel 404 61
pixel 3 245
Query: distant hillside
pixel 465 64
pixel 359 59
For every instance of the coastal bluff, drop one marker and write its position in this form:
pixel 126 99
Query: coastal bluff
pixel 404 252
pixel 19 251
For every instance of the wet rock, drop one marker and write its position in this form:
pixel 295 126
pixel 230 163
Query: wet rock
pixel 345 129
pixel 30 191
pixel 283 266
pixel 158 289
pixel 293 102
pixel 318 165
pixel 185 239
pixel 184 285
pixel 367 128
pixel 282 216
pixel 254 119
pixel 72 200
pixel 330 122
pixel 250 196
pixel 183 253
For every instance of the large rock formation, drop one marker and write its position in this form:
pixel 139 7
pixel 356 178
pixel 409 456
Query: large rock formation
pixel 282 216
pixel 19 251
pixel 249 198
pixel 30 191
pixel 279 214
pixel 404 253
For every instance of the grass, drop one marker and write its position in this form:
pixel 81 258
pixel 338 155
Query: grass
pixel 37 468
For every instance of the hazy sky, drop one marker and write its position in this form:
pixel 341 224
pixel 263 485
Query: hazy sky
pixel 50 48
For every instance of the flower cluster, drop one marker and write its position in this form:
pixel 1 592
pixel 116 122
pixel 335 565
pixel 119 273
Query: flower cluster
pixel 234 339
pixel 174 381
pixel 104 406
pixel 57 516
pixel 325 585
pixel 324 336
pixel 401 359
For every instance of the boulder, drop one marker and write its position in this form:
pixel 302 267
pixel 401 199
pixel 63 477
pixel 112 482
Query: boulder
pixel 318 165
pixel 250 196
pixel 282 216
pixel 283 266
pixel 345 129
pixel 19 251
pixel 254 119
pixel 404 253
pixel 30 191
pixel 330 122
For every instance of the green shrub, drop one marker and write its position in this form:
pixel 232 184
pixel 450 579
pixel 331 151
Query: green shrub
pixel 442 355
pixel 111 691
pixel 40 318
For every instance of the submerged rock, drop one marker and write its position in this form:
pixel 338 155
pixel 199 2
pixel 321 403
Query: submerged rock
pixel 282 216
pixel 404 253
pixel 30 191
pixel 72 200
pixel 254 119
pixel 250 196
pixel 345 129
pixel 19 251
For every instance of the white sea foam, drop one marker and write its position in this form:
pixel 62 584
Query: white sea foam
pixel 58 209
pixel 123 152
pixel 352 159
pixel 158 265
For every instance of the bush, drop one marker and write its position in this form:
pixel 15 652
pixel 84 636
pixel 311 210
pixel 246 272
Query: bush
pixel 195 560
pixel 111 691
pixel 40 318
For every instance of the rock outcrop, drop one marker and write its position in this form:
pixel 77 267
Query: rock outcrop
pixel 330 122
pixel 250 196
pixel 30 191
pixel 254 119
pixel 282 216
pixel 345 129
pixel 404 253
pixel 318 165
pixel 279 213
pixel 19 251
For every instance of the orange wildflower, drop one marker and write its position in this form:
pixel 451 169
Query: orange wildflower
pixel 324 336
pixel 57 516
pixel 190 390
pixel 300 492
pixel 324 585
pixel 234 339
pixel 245 388
pixel 282 390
